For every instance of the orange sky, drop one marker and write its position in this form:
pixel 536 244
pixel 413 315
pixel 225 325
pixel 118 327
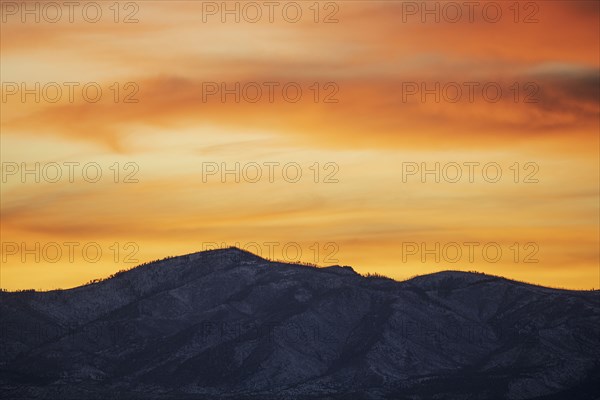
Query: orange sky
pixel 362 211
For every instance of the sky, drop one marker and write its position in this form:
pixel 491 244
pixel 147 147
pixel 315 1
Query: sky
pixel 396 137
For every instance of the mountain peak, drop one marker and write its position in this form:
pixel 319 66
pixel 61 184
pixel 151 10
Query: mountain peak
pixel 339 269
pixel 231 253
pixel 451 278
pixel 222 321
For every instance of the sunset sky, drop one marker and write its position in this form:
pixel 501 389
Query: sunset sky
pixel 363 57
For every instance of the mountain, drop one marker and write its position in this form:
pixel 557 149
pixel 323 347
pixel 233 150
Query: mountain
pixel 226 324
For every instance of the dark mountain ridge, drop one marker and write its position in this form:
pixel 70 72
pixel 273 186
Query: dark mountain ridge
pixel 229 324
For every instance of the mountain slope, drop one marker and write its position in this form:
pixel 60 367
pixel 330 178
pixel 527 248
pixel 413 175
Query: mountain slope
pixel 228 324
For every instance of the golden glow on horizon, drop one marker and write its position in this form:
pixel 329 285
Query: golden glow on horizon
pixel 370 216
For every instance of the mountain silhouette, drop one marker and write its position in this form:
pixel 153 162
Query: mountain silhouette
pixel 227 324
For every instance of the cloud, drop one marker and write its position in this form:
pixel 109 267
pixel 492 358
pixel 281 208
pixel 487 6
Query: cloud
pixel 370 112
pixel 367 62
